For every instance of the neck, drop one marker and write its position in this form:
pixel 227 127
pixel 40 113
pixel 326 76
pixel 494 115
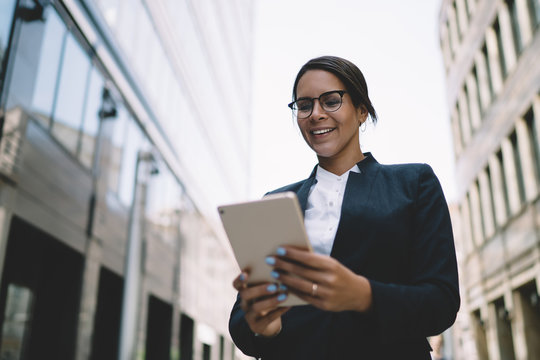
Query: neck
pixel 341 165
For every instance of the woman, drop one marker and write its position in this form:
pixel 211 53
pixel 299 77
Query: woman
pixel 383 275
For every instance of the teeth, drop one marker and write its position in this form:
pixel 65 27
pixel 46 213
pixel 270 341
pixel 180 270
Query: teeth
pixel 319 132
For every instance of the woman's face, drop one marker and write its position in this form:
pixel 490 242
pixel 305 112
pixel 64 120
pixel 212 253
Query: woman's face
pixel 332 135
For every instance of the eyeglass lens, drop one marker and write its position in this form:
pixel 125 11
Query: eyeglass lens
pixel 330 101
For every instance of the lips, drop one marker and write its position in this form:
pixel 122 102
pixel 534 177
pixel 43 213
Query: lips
pixel 321 131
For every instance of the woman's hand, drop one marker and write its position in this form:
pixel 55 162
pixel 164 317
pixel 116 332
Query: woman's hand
pixel 261 305
pixel 321 280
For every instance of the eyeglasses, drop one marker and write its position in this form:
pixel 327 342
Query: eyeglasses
pixel 330 101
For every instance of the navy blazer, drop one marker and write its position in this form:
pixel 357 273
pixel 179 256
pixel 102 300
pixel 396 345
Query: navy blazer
pixel 395 230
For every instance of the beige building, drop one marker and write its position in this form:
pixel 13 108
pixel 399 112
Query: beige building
pixel 491 51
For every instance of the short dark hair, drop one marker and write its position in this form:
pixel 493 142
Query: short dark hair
pixel 349 74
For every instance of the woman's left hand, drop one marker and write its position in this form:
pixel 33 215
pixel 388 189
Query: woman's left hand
pixel 321 280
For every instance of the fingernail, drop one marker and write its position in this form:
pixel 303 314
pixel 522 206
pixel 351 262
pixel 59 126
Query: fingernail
pixel 270 260
pixel 242 277
pixel 282 297
pixel 271 288
pixel 274 274
pixel 281 251
pixel 283 287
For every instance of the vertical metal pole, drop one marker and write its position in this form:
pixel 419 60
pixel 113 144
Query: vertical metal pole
pixel 132 268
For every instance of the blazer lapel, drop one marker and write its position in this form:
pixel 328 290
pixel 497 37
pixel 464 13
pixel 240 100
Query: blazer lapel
pixel 303 192
pixel 355 203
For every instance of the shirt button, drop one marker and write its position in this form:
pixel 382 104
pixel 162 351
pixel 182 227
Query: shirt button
pixel 338 179
pixel 331 203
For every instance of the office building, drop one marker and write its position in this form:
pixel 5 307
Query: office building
pixel 491 51
pixel 124 123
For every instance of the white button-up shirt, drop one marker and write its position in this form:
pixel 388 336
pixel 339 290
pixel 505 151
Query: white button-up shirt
pixel 323 209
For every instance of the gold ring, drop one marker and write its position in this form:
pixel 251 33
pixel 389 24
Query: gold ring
pixel 314 288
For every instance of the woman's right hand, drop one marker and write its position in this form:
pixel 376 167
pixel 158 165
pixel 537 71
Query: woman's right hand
pixel 261 305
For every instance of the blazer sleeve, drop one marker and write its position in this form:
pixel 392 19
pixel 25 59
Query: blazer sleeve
pixel 242 335
pixel 428 303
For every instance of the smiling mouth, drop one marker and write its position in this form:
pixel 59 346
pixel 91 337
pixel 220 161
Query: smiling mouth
pixel 320 132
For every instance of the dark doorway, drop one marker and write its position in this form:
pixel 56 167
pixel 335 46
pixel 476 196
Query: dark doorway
pixel 206 352
pixel 186 337
pixel 105 338
pixel 46 275
pixel 158 329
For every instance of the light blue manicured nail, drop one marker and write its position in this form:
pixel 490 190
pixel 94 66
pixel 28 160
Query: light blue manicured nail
pixel 270 260
pixel 242 277
pixel 282 297
pixel 281 251
pixel 283 287
pixel 274 274
pixel 271 288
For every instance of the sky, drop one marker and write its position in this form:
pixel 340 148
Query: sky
pixel 395 44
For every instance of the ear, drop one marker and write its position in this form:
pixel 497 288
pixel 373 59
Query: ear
pixel 361 114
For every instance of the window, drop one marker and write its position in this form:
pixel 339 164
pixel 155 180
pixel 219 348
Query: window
pixel 90 122
pixel 516 32
pixel 504 186
pixel 6 15
pixel 488 70
pixel 71 95
pixel 534 13
pixel 500 49
pixel 133 141
pixel 518 167
pixel 47 72
pixel 533 131
pixel 477 92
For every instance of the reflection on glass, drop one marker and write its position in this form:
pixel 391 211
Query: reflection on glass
pixel 6 14
pixel 133 142
pixel 71 93
pixel 51 50
pixel 91 117
pixel 17 321
pixel 114 153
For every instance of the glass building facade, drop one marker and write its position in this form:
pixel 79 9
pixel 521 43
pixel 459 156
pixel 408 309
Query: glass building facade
pixel 122 122
pixel 491 50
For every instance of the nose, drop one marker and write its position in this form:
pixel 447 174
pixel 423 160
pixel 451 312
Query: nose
pixel 318 111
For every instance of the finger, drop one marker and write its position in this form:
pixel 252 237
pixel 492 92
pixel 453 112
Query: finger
pixel 308 273
pixel 263 307
pixel 273 315
pixel 240 282
pixel 300 285
pixel 308 258
pixel 253 293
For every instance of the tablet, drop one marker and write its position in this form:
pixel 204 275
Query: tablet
pixel 257 228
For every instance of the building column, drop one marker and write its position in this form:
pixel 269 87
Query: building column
pixel 491 333
pixel 89 295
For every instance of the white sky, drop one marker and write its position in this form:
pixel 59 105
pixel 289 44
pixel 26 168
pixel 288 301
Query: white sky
pixel 396 45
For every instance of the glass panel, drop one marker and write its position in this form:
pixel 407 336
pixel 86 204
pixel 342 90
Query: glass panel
pixel 17 321
pixel 50 54
pixel 71 93
pixel 91 117
pixel 133 142
pixel 6 15
pixel 119 126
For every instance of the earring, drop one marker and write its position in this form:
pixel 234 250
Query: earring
pixel 363 126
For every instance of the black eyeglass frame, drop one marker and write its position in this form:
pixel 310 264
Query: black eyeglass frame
pixel 294 108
